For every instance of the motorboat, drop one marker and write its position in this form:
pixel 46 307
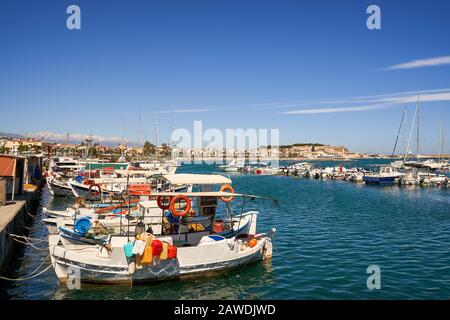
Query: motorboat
pixel 234 166
pixel 386 175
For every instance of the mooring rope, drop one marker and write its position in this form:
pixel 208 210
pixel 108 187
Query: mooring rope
pixel 37 240
pixel 30 244
pixel 31 275
pixel 26 241
pixel 26 278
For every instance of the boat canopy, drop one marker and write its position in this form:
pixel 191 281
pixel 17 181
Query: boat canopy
pixel 103 166
pixel 217 194
pixel 202 179
pixel 146 173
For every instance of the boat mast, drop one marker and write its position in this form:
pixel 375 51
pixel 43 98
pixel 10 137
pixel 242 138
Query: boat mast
pixel 410 134
pixel 121 143
pixel 399 130
pixel 172 124
pixel 441 155
pixel 417 123
pixel 156 134
pixel 140 128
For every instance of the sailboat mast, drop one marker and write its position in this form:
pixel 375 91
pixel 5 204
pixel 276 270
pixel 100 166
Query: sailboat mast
pixel 121 146
pixel 417 124
pixel 441 155
pixel 140 128
pixel 410 134
pixel 172 124
pixel 156 133
pixel 398 134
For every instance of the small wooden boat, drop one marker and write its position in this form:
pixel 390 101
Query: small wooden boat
pixel 201 243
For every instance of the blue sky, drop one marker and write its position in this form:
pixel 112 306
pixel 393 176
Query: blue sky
pixel 233 64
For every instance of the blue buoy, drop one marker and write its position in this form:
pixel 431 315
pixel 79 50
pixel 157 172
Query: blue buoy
pixel 82 225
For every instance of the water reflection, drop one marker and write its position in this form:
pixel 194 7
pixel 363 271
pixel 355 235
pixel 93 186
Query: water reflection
pixel 241 283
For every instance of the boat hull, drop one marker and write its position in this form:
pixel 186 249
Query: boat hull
pixel 379 180
pixel 191 262
pixel 58 188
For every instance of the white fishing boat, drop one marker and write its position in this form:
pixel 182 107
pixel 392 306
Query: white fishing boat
pixel 60 171
pixel 264 169
pixel 58 187
pixel 411 178
pixel 155 209
pixel 155 255
pixel 114 264
pixel 434 180
pixel 398 164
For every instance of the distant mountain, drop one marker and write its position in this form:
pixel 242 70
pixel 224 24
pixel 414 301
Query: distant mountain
pixel 11 135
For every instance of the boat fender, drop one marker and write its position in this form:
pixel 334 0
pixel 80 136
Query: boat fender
pixel 172 252
pixel 157 248
pixel 252 242
pixel 139 247
pixel 165 251
pixel 128 249
pixel 147 257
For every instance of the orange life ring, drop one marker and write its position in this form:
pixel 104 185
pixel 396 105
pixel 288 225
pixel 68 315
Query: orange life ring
pixel 94 193
pixel 226 188
pixel 180 213
pixel 163 202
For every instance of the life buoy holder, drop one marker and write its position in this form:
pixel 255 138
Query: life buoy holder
pixel 95 193
pixel 163 202
pixel 180 213
pixel 227 188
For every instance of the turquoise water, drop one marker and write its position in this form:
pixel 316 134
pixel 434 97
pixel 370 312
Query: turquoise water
pixel 328 233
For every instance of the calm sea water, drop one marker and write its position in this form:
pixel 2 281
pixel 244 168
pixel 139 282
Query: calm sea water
pixel 328 233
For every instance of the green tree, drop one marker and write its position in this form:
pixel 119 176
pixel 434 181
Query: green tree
pixel 149 148
pixel 22 148
pixel 93 152
pixel 37 149
pixel 4 150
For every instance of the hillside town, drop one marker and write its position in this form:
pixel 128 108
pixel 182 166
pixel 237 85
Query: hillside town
pixel 90 148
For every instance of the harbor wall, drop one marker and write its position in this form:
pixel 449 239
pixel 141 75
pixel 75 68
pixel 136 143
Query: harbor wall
pixel 13 220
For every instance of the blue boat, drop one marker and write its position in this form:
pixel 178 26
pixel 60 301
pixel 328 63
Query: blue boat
pixel 386 176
